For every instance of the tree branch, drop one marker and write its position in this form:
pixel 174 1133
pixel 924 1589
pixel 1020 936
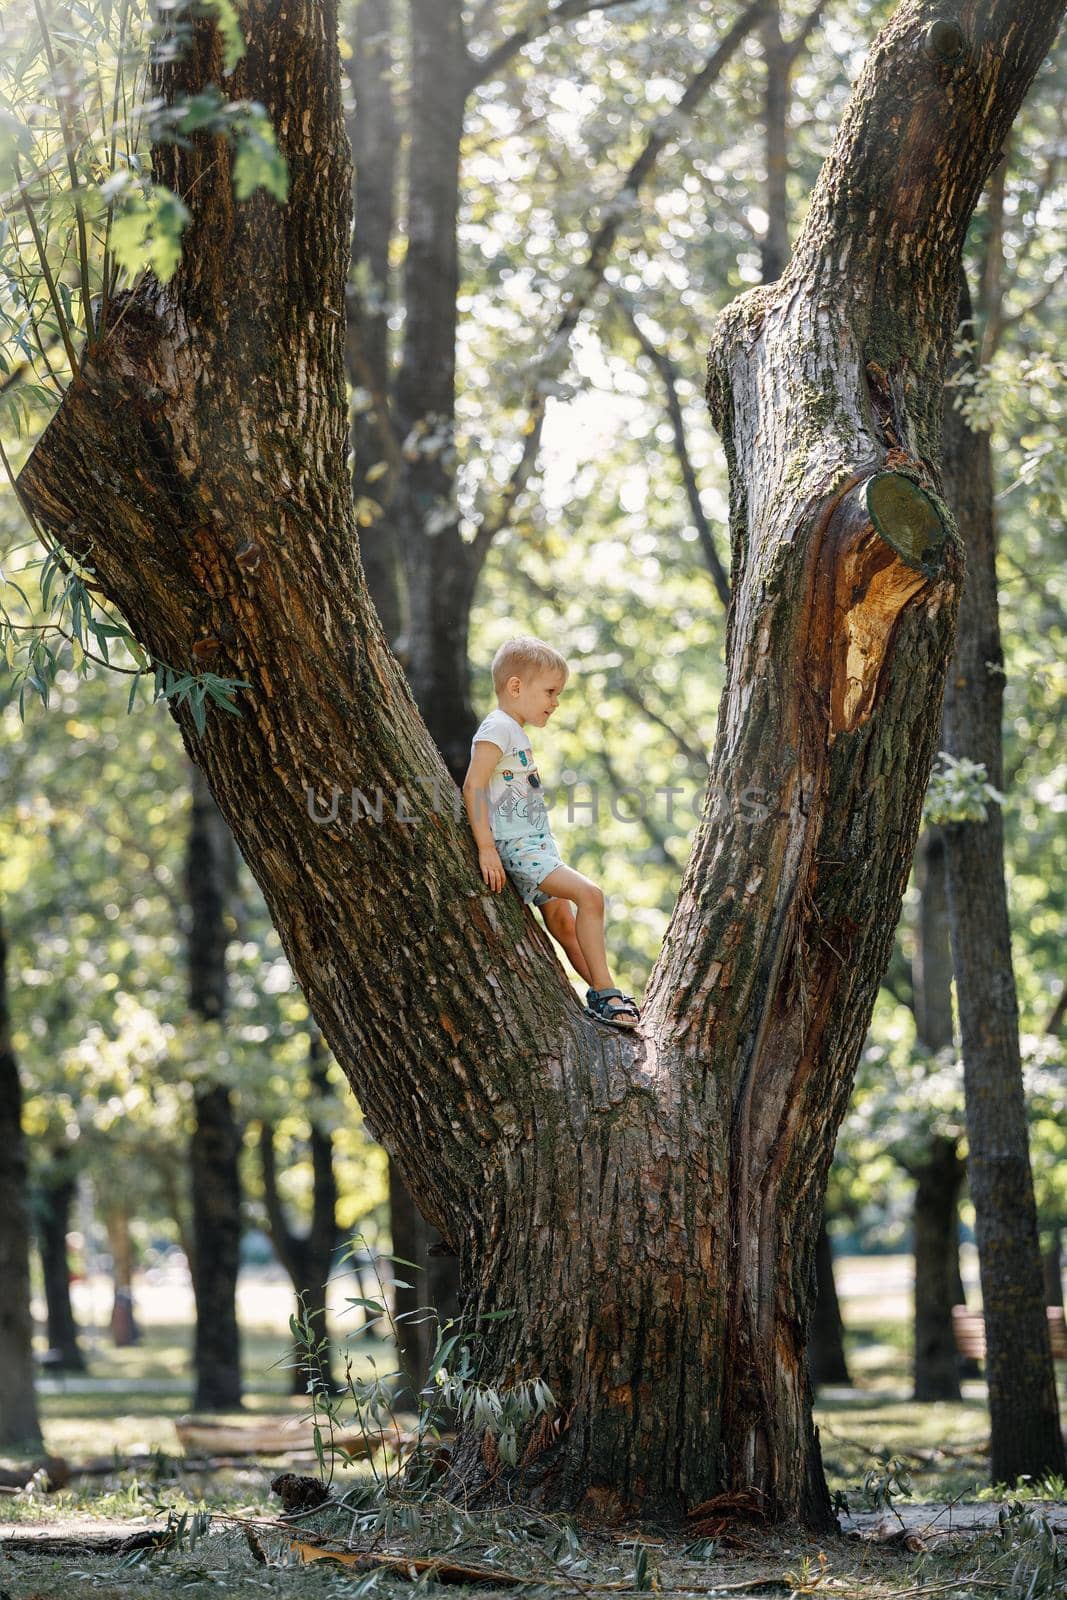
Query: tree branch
pixel 795 45
pixel 665 367
pixel 1012 318
pixel 697 757
pixel 591 275
pixel 1047 179
pixel 566 11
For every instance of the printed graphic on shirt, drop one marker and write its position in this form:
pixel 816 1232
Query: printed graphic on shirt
pixel 516 803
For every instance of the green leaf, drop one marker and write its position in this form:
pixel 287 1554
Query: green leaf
pixel 258 163
pixel 233 41
pixel 146 233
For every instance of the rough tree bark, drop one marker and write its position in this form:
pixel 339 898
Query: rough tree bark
pixel 307 1257
pixel 216 1141
pixel 644 1207
pixel 53 1196
pixel 1024 1414
pixel 19 1424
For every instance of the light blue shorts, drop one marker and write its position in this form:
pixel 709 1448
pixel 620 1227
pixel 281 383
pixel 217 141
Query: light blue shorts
pixel 527 860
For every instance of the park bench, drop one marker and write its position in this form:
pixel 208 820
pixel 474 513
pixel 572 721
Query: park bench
pixel 969 1329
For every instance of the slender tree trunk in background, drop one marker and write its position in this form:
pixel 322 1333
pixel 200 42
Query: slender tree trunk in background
pixel 774 247
pixel 173 1179
pixel 19 1425
pixel 439 564
pixel 826 1342
pixel 1052 1268
pixel 410 1239
pixel 216 1142
pixel 420 580
pixel 939 1179
pixel 645 1206
pixel 932 967
pixel 307 1258
pixel 1026 1435
pixel 375 148
pixel 938 1171
pixel 124 1329
pixel 52 1201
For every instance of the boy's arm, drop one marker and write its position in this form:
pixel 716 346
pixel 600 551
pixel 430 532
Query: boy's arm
pixel 476 799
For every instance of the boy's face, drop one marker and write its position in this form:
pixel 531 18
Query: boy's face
pixel 535 699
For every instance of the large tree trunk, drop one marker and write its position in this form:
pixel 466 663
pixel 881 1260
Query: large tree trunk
pixel 645 1207
pixel 53 1198
pixel 19 1425
pixel 1026 1435
pixel 938 1171
pixel 216 1142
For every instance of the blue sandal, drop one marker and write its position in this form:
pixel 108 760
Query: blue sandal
pixel 622 1015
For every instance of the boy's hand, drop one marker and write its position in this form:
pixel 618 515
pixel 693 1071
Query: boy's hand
pixel 492 867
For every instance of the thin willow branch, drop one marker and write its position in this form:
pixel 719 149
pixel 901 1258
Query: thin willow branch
pixel 120 86
pixel 64 99
pixel 591 275
pixel 46 272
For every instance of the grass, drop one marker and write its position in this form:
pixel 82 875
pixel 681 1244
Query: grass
pixel 943 1446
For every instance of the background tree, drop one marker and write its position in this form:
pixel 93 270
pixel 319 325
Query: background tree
pixel 51 1202
pixel 18 1397
pixel 1026 1436
pixel 216 1142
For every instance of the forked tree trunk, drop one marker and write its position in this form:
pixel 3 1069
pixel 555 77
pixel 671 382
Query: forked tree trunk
pixel 19 1425
pixel 1024 1414
pixel 644 1207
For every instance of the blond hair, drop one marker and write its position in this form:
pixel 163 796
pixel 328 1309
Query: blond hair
pixel 524 656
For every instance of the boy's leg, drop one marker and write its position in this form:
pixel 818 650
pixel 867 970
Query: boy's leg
pixel 588 898
pixel 559 920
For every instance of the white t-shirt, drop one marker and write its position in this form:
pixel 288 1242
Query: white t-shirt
pixel 516 802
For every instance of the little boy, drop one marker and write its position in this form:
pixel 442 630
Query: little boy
pixel 506 808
